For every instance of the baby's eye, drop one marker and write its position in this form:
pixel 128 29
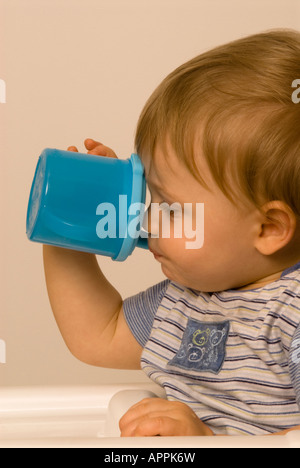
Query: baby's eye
pixel 173 210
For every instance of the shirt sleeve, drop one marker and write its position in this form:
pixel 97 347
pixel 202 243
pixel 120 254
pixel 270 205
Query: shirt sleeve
pixel 140 310
pixel 294 364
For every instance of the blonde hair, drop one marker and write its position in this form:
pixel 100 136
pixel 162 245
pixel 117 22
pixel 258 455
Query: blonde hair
pixel 235 101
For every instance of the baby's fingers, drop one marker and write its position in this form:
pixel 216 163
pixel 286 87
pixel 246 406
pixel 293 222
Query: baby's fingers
pixel 98 149
pixel 73 149
pixel 156 424
pixel 91 144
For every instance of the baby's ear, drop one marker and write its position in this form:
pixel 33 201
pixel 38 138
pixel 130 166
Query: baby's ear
pixel 277 228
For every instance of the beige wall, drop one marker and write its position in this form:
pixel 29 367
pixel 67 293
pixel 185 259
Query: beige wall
pixel 76 69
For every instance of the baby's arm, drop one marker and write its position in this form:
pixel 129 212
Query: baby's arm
pixel 296 428
pixel 87 308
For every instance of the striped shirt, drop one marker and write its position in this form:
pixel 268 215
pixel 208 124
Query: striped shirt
pixel 232 356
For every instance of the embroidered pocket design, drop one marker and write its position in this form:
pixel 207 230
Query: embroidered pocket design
pixel 203 346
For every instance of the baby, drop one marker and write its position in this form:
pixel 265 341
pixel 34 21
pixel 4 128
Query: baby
pixel 221 334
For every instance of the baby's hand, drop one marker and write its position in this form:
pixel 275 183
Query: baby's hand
pixel 96 148
pixel 158 417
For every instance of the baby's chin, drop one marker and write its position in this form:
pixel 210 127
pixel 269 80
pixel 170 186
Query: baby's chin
pixel 177 278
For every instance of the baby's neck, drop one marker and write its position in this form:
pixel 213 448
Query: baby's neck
pixel 262 282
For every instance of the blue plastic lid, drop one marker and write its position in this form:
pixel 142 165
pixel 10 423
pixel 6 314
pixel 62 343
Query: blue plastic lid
pixel 137 196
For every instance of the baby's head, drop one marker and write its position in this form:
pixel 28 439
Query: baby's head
pixel 226 121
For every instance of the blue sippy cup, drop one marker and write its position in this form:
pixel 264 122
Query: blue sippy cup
pixel 88 203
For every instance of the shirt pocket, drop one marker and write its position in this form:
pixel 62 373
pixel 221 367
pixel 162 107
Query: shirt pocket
pixel 203 347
